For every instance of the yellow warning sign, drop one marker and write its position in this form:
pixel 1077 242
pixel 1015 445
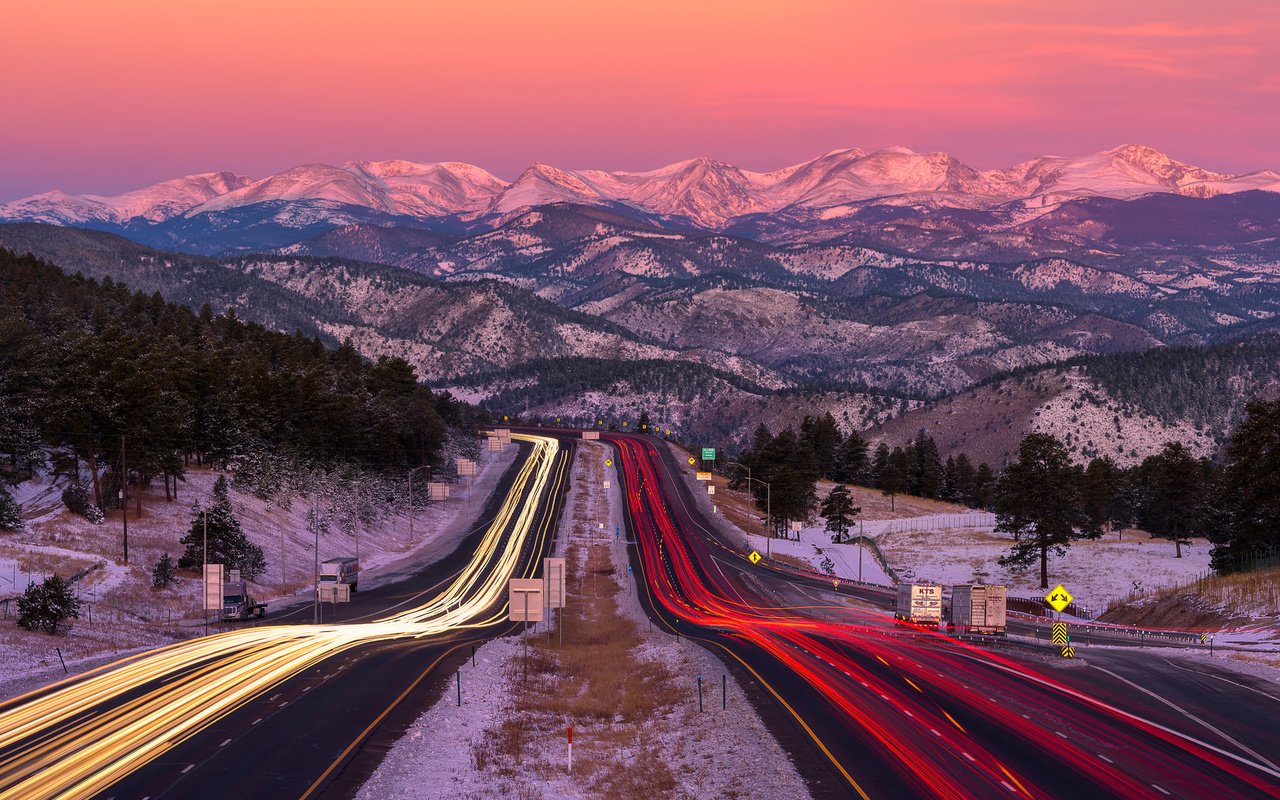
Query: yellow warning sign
pixel 1058 598
pixel 608 462
pixel 755 557
pixel 692 461
pixel 1058 633
pixel 1068 652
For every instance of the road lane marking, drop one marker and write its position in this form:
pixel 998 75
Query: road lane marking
pixel 1224 680
pixel 1096 703
pixel 189 767
pixel 966 755
pixel 1186 714
pixel 224 744
pixel 1160 788
pixel 1063 735
pixel 1006 785
pixel 1104 758
pixel 256 721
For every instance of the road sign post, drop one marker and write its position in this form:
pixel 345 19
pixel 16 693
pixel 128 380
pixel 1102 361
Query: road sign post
pixel 708 454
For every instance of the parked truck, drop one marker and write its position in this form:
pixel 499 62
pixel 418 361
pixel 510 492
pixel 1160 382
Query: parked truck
pixel 977 608
pixel 238 603
pixel 919 603
pixel 341 570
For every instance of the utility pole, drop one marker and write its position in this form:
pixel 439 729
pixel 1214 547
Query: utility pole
pixel 204 515
pixel 315 526
pixel 124 499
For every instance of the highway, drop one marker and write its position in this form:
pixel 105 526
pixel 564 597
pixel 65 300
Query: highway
pixel 874 709
pixel 285 710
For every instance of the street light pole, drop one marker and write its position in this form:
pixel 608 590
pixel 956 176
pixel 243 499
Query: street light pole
pixel 768 506
pixel 427 467
pixel 315 526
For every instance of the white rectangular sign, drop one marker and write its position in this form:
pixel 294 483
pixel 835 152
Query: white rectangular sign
pixel 331 592
pixel 704 476
pixel 466 468
pixel 553 578
pixel 438 491
pixel 213 587
pixel 591 436
pixel 524 598
pixel 495 444
pixel 711 488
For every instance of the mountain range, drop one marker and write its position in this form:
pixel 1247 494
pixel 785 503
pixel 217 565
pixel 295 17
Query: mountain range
pixel 700 192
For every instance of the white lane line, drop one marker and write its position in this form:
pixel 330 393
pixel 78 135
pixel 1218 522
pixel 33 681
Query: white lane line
pixel 256 721
pixel 1006 785
pixel 285 703
pixel 966 755
pixel 273 697
pixel 306 688
pixel 1096 703
pixel 224 744
pixel 1060 733
pixel 1224 680
pixel 1160 788
pixel 188 768
pixel 934 731
pixel 1186 714
pixel 1104 758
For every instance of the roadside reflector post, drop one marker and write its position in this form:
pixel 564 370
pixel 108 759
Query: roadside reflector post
pixel 570 748
pixel 699 692
pixel 724 692
pixel 458 674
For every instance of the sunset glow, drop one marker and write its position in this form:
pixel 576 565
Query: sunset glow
pixel 103 97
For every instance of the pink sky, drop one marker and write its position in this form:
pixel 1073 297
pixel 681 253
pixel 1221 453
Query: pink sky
pixel 107 96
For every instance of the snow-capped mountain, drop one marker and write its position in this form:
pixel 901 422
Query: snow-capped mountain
pixel 703 192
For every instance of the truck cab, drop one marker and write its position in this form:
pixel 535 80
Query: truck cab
pixel 239 604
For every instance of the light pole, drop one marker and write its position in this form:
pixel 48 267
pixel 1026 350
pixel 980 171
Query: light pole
pixel 427 467
pixel 768 506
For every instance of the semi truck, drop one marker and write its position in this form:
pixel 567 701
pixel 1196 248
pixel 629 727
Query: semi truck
pixel 341 570
pixel 977 608
pixel 238 603
pixel 919 603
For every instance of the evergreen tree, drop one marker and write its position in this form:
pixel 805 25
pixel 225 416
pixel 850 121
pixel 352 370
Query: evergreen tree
pixel 163 574
pixel 77 500
pixel 966 480
pixel 1172 496
pixel 879 463
pixel 1100 485
pixel 227 543
pixel 1250 489
pixel 1038 501
pixel 44 606
pixel 894 476
pixel 926 467
pixel 950 481
pixel 984 487
pixel 839 510
pixel 822 436
pixel 10 512
pixel 852 461
pixel 644 423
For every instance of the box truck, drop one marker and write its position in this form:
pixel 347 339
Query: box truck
pixel 976 608
pixel 340 570
pixel 919 603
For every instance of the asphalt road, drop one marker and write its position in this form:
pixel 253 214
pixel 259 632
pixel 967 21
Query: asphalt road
pixel 874 709
pixel 321 731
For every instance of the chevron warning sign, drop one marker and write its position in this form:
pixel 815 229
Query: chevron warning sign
pixel 1059 633
pixel 1068 651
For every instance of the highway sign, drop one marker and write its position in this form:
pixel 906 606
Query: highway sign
pixel 608 462
pixel 331 592
pixel 1058 598
pixel 795 526
pixel 704 476
pixel 438 491
pixel 755 557
pixel 591 435
pixel 1068 652
pixel 708 454
pixel 1058 634
pixel 711 488
pixel 524 599
pixel 213 587
pixel 692 461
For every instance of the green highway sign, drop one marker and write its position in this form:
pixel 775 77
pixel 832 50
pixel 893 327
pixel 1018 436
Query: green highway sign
pixel 708 454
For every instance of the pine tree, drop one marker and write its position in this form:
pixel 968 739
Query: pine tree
pixel 879 463
pixel 853 459
pixel 950 481
pixel 163 574
pixel 1172 496
pixel 1250 487
pixel 839 510
pixel 44 606
pixel 10 512
pixel 77 500
pixel 894 475
pixel 1038 501
pixel 984 487
pixel 227 543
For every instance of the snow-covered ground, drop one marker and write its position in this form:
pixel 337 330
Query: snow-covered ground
pixel 443 755
pixel 122 613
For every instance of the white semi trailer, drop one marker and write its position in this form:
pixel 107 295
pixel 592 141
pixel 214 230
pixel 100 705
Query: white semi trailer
pixel 919 603
pixel 341 570
pixel 977 608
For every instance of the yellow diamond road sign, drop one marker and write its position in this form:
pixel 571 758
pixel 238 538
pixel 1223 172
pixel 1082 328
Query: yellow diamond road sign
pixel 1058 598
pixel 755 557
pixel 608 462
pixel 692 461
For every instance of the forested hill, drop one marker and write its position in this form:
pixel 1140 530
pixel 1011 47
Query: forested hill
pixel 85 364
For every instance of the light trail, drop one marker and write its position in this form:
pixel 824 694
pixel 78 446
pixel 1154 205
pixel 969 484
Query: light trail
pixel 957 732
pixel 88 733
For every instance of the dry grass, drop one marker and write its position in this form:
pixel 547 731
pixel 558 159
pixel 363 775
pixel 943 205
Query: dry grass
pixel 1217 600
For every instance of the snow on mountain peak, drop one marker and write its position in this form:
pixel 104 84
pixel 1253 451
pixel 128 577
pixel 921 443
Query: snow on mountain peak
pixel 704 190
